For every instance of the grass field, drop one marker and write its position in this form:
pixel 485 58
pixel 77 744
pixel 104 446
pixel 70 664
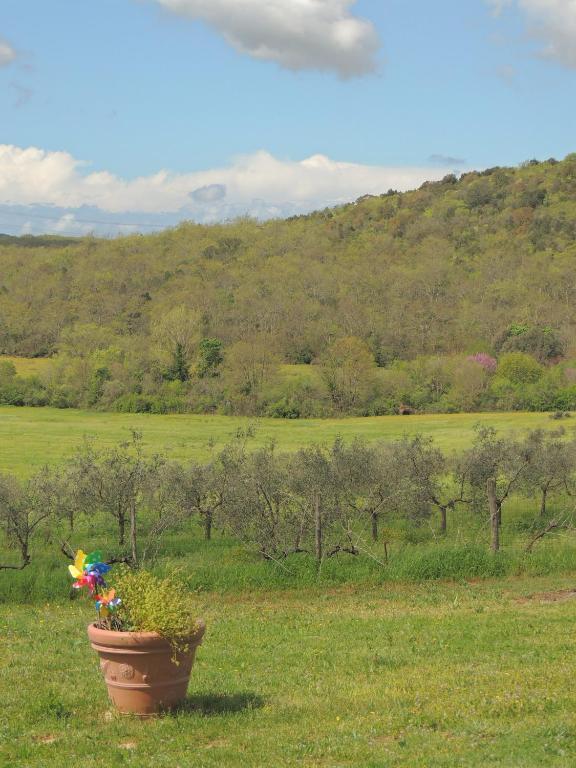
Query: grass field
pixel 27 366
pixel 32 437
pixel 432 676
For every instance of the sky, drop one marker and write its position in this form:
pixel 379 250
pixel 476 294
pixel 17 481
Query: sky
pixel 120 116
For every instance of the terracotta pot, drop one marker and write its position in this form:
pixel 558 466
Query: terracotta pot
pixel 139 670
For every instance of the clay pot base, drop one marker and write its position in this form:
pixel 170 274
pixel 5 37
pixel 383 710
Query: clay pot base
pixel 139 670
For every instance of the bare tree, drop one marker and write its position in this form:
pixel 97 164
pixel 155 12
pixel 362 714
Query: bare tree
pixel 498 466
pixel 260 509
pixel 553 463
pixel 317 492
pixel 116 481
pixel 434 479
pixel 202 489
pixel 367 480
pixel 24 508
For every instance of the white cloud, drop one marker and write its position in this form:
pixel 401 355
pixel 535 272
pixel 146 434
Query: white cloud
pixel 551 21
pixel 258 184
pixel 554 22
pixel 68 224
pixel 297 34
pixel 7 53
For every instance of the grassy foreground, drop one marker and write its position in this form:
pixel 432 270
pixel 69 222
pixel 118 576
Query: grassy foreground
pixel 438 676
pixel 32 437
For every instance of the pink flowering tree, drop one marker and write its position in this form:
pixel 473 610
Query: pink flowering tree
pixel 485 360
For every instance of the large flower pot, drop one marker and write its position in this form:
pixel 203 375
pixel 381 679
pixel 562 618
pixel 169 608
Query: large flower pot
pixel 142 674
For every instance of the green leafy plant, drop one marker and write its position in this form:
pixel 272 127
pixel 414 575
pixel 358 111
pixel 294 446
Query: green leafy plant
pixel 154 604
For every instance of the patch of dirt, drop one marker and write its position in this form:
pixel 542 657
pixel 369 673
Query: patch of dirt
pixel 548 597
pixel 128 745
pixel 47 738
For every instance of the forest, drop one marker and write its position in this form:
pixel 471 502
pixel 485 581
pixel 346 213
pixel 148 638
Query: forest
pixel 454 297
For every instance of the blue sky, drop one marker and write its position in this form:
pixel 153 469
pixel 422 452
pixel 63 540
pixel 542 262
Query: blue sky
pixel 147 112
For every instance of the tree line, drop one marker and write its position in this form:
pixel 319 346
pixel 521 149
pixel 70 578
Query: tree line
pixel 319 501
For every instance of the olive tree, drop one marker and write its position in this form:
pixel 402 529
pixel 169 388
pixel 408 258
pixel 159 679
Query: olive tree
pixel 497 467
pixel 24 509
pixel 553 465
pixel 260 508
pixel 116 481
pixel 433 479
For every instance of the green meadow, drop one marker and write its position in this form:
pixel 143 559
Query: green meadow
pixel 439 675
pixel 445 656
pixel 33 437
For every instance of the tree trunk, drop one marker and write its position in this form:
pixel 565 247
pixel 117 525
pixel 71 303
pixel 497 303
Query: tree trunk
pixel 208 524
pixel 133 543
pixel 443 520
pixel 374 517
pixel 121 529
pixel 494 513
pixel 543 502
pixel 386 552
pixel 318 529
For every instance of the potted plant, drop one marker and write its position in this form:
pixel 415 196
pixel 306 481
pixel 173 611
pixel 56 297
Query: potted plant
pixel 145 634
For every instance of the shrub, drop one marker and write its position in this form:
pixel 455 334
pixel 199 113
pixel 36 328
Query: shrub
pixel 519 368
pixel 153 604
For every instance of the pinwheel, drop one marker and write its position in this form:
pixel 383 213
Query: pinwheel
pixel 107 602
pixel 88 570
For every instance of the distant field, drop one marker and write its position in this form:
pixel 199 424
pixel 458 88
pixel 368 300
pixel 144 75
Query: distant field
pixel 32 437
pixel 27 366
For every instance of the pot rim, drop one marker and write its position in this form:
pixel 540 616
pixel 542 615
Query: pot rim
pixel 114 639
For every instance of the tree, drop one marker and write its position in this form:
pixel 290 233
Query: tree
pixel 519 368
pixel 116 481
pixel 348 368
pixel 328 524
pixel 260 510
pixel 203 489
pixel 435 481
pixel 249 366
pixel 210 358
pixel 367 481
pixel 176 333
pixel 543 343
pixel 497 466
pixel 24 508
pixel 552 467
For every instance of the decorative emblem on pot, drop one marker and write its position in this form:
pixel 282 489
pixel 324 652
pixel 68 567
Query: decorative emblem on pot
pixel 126 671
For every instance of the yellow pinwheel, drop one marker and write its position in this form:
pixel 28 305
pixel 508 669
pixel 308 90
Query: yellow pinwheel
pixel 77 570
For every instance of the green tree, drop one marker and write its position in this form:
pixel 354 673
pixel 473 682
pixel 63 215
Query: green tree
pixel 519 368
pixel 210 358
pixel 347 370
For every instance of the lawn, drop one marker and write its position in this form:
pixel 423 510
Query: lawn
pixel 32 437
pixel 433 676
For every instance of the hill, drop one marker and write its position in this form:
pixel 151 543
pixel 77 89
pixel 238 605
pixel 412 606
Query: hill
pixel 480 264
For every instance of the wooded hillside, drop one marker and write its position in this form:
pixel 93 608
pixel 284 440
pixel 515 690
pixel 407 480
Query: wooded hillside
pixel 457 267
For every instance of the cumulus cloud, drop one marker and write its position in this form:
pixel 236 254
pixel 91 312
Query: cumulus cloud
pixel 258 184
pixel 7 53
pixel 209 194
pixel 553 22
pixel 297 34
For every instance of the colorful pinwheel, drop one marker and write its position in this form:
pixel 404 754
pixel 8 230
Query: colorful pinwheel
pixel 89 570
pixel 107 602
